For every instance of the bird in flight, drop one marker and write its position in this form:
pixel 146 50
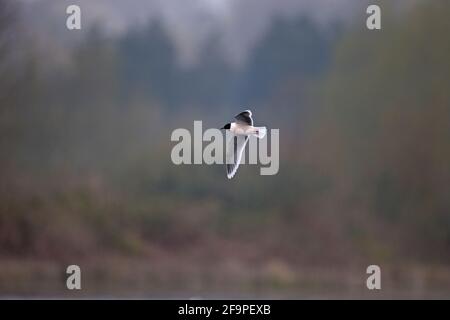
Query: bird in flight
pixel 241 129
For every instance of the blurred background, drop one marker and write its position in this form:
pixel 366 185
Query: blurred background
pixel 85 170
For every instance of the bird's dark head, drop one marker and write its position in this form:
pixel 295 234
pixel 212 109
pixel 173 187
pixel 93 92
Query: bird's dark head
pixel 226 127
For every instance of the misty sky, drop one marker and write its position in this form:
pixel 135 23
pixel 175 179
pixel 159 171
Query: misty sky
pixel 189 22
pixel 239 23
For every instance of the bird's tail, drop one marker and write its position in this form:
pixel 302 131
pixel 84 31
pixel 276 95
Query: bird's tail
pixel 260 132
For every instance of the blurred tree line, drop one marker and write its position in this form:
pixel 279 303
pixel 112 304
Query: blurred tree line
pixel 365 155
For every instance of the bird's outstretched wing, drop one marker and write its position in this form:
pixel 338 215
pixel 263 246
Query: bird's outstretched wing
pixel 245 117
pixel 236 146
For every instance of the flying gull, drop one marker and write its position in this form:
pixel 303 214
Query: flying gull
pixel 241 129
